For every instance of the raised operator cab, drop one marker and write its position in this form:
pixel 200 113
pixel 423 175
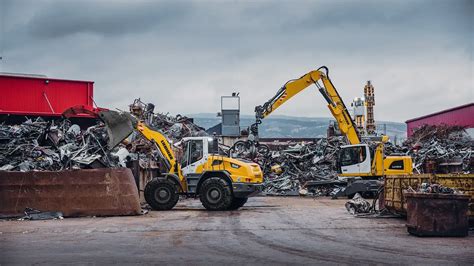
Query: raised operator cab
pixel 358 160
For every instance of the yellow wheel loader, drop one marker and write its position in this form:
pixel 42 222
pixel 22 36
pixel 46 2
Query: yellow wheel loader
pixel 220 182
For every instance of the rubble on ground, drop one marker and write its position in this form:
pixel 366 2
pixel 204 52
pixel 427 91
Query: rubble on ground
pixel 358 205
pixel 55 145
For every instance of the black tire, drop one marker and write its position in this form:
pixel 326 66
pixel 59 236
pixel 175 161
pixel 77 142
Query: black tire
pixel 215 194
pixel 161 194
pixel 237 203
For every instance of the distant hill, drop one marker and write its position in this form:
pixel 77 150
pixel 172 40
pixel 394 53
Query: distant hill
pixel 291 126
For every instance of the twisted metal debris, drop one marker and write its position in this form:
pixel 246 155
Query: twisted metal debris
pixel 358 205
pixel 175 128
pixel 435 147
pixel 55 145
pixel 288 170
pixel 433 188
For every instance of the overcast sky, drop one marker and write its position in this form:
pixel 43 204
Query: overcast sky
pixel 183 55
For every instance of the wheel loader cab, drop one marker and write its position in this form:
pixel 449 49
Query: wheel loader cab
pixel 195 152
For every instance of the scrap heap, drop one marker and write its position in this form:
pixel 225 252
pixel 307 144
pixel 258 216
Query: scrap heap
pixel 287 171
pixel 175 128
pixel 433 147
pixel 55 145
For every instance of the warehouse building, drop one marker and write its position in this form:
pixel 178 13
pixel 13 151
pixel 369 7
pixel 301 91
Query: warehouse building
pixel 457 116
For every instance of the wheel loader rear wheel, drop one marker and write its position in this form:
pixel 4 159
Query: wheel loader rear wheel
pixel 237 203
pixel 161 194
pixel 215 194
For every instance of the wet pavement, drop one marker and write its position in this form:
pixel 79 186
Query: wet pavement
pixel 272 230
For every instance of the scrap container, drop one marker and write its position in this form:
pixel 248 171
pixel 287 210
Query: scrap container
pixel 434 214
pixel 36 95
pixel 394 200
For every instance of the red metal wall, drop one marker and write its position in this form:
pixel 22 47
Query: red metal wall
pixel 30 95
pixel 457 116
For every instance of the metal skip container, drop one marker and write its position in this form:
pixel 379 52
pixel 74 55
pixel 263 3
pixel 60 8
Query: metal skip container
pixel 85 192
pixel 394 199
pixel 434 214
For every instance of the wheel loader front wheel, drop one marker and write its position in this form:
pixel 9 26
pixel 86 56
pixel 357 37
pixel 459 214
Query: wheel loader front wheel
pixel 215 194
pixel 237 203
pixel 161 194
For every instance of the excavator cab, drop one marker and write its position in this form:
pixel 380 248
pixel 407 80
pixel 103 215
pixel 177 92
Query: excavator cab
pixel 354 160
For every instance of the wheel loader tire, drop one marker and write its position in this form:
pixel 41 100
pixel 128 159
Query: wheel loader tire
pixel 237 203
pixel 161 194
pixel 215 194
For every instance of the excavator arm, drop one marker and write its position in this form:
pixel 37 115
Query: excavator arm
pixel 328 91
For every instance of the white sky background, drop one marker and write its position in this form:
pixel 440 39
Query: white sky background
pixel 183 55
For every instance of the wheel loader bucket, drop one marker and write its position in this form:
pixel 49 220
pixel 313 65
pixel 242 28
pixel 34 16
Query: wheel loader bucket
pixel 119 126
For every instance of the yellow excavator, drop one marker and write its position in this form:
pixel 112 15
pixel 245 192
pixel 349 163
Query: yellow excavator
pixel 220 182
pixel 365 160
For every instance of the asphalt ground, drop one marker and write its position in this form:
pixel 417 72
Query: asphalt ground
pixel 267 230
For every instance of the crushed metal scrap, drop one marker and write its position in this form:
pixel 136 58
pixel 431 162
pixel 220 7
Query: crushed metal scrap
pixel 287 172
pixel 358 205
pixel 55 145
pixel 309 168
pixel 175 128
pixel 433 188
pixel 438 149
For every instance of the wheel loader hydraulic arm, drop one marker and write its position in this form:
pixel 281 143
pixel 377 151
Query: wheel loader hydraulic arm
pixel 164 147
pixel 328 91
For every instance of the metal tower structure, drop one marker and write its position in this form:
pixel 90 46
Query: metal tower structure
pixel 370 102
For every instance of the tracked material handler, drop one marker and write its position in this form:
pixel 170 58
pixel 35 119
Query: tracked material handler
pixel 220 182
pixel 361 160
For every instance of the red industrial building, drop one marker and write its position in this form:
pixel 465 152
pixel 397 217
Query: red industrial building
pixel 458 116
pixel 41 96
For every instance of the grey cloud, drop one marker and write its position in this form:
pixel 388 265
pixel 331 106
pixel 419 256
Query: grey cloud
pixel 103 17
pixel 184 55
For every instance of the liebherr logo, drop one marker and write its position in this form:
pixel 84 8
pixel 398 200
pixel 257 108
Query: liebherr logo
pixel 167 150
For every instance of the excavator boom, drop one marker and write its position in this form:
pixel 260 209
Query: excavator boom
pixel 328 91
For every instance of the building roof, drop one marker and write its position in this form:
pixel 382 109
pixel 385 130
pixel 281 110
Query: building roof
pixel 38 76
pixel 441 112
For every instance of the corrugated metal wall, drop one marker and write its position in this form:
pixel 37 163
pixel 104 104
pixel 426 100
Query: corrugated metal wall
pixel 42 96
pixel 458 116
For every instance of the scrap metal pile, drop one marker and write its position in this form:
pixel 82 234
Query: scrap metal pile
pixel 433 188
pixel 288 170
pixel 175 128
pixel 54 145
pixel 437 145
